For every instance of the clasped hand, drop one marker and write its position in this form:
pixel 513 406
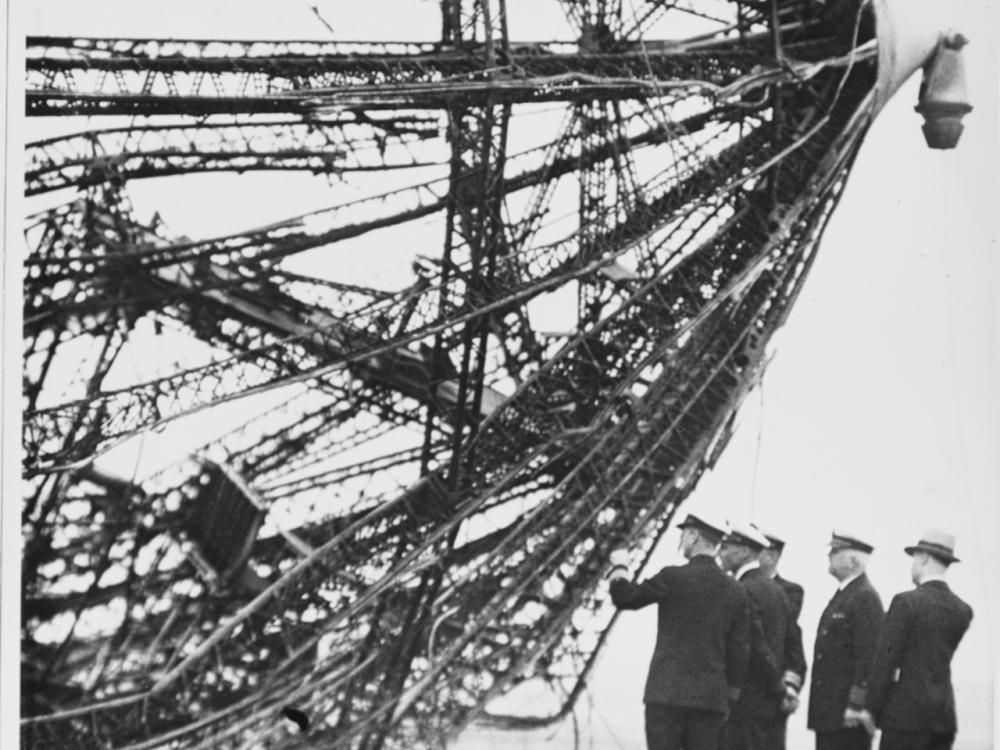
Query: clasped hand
pixel 859 718
pixel 790 700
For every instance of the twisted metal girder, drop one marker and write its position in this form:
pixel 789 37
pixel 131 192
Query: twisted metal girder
pixel 324 145
pixel 123 76
pixel 130 82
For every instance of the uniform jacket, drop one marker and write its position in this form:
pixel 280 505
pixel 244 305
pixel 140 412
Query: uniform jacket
pixel 702 634
pixel 770 618
pixel 845 646
pixel 794 592
pixel 910 686
pixel 795 655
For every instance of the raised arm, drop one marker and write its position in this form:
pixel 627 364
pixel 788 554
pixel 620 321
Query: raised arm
pixel 629 595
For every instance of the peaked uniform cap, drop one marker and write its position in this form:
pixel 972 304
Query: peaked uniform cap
pixel 747 536
pixel 774 542
pixel 844 540
pixel 694 522
pixel 938 543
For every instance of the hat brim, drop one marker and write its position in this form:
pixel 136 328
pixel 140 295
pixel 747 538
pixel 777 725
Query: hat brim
pixel 742 541
pixel 838 546
pixel 708 531
pixel 940 554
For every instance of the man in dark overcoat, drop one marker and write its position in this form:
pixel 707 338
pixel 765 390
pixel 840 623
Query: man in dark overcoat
pixel 795 657
pixel 845 646
pixel 760 702
pixel 702 640
pixel 910 695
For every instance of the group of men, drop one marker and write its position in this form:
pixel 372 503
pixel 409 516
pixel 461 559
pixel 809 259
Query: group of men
pixel 729 664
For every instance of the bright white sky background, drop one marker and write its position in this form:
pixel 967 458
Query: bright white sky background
pixel 880 411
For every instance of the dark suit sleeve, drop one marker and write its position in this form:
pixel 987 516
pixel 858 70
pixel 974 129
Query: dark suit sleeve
pixel 763 661
pixel 738 643
pixel 888 654
pixel 967 618
pixel 795 655
pixel 866 624
pixel 628 595
pixel 968 622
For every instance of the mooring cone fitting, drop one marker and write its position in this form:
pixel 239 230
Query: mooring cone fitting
pixel 944 100
pixel 912 36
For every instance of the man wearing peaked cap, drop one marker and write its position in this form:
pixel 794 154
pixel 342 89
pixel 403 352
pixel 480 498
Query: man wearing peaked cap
pixel 845 645
pixel 713 531
pixel 746 535
pixel 769 562
pixel 759 706
pixel 702 636
pixel 910 696
pixel 841 540
pixel 795 658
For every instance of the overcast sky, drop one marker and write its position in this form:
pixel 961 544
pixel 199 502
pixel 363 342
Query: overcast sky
pixel 880 411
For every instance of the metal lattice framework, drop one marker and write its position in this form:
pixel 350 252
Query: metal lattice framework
pixel 320 145
pixel 414 512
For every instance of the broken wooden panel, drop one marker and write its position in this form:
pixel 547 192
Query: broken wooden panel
pixel 224 519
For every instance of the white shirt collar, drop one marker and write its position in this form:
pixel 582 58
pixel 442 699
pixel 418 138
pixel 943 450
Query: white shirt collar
pixel 847 581
pixel 745 567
